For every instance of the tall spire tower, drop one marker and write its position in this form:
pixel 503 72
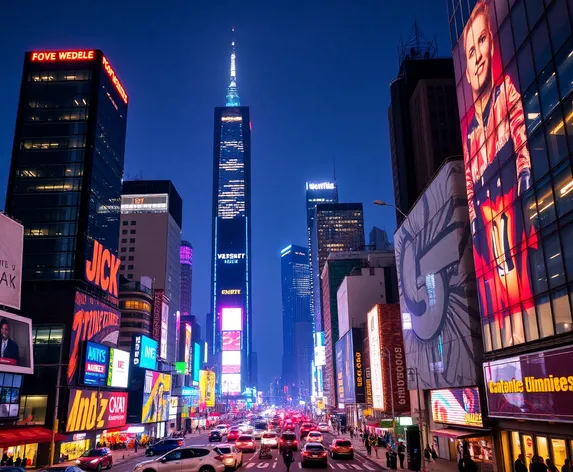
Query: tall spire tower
pixel 232 90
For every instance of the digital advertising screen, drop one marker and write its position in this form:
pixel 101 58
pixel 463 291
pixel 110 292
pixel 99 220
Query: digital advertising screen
pixel 156 395
pixel 231 340
pixel 102 267
pixel 349 368
pixel 231 362
pixel 17 355
pixel 498 168
pixel 11 250
pixel 210 393
pixel 93 321
pixel 188 352
pixel 375 359
pixel 202 388
pixel 118 371
pixel 164 330
pixel 231 384
pixel 232 319
pixel 456 406
pixel 144 352
pixel 96 364
pixel 89 410
pixel 196 361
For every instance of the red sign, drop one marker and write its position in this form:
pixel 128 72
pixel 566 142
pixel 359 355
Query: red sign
pixel 114 79
pixel 89 410
pixel 52 56
pixel 103 269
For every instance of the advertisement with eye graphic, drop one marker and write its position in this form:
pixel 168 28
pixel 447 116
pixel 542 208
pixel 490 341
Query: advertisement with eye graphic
pixel 456 406
pixel 498 174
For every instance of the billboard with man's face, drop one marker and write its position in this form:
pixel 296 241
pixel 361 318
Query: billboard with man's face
pixel 16 354
pixel 502 208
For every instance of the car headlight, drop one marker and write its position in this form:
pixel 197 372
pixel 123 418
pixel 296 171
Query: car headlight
pixel 94 461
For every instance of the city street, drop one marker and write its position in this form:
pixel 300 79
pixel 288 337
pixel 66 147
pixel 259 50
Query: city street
pixel 251 460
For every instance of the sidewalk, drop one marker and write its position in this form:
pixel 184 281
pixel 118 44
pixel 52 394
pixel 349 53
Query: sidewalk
pixel 438 465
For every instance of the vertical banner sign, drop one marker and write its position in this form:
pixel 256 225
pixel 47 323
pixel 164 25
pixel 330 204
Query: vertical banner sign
pixel 164 330
pixel 202 389
pixel 156 324
pixel 11 249
pixel 210 393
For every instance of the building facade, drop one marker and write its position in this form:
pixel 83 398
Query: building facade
pixel 136 306
pixel 297 321
pixel 64 186
pixel 514 70
pixel 186 291
pixel 150 241
pixel 231 244
pixel 422 119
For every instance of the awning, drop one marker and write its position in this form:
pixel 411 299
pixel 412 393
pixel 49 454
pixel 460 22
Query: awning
pixel 460 433
pixel 35 434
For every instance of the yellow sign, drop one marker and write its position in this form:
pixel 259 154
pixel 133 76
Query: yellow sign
pixel 231 292
pixel 210 394
pixel 320 404
pixel 367 412
pixel 203 388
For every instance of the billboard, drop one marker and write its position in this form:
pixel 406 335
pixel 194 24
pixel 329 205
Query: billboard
pixel 11 250
pixel 319 349
pixel 232 319
pixel 457 406
pixel 231 384
pixel 160 321
pixel 210 393
pixel 187 354
pixel 349 368
pixel 93 321
pixel 231 362
pixel 196 361
pixel 102 270
pixel 231 340
pixel 118 371
pixel 16 353
pixel 89 410
pixel 164 330
pixel 203 388
pixel 536 386
pixel 375 358
pixel 144 352
pixel 96 364
pixel 156 395
pixel 498 171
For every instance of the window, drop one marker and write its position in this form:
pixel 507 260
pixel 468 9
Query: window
pixel 559 26
pixel 133 223
pixel 567 235
pixel 506 42
pixel 548 93
pixel 534 11
pixel 542 449
pixel 123 240
pixel 33 409
pixel 563 188
pixel 124 223
pixel 132 231
pixel 525 65
pixel 130 276
pixel 556 139
pixel 122 249
pixel 122 258
pixel 559 452
pixel 135 305
pixel 130 258
pixel 519 23
pixel 561 311
pixel 131 249
pixel 123 231
pixel 122 267
pixel 538 152
pixel 131 240
pixel 564 62
pixel 540 45
pixel 545 203
pixel 130 267
pixel 544 318
pixel 531 108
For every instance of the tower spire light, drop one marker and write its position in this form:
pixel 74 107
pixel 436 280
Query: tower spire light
pixel 232 90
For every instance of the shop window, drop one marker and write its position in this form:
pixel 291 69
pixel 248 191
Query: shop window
pixel 74 449
pixel 515 445
pixel 527 448
pixel 28 451
pixel 561 311
pixel 556 139
pixel 544 318
pixel 542 449
pixel 554 260
pixel 559 452
pixel 559 26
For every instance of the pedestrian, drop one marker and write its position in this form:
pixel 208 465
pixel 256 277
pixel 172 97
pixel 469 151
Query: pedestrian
pixel 519 464
pixel 374 442
pixel 18 461
pixel 466 464
pixel 368 447
pixel 135 444
pixel 388 461
pixel 351 433
pixel 288 457
pixel 402 454
pixel 428 453
pixel 24 461
pixel 434 453
pixel 393 460
pixel 566 466
pixel 550 465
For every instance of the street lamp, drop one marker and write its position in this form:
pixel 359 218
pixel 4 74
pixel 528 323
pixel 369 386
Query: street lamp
pixel 389 356
pixel 411 372
pixel 384 204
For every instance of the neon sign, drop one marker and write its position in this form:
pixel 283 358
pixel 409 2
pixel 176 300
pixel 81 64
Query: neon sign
pixel 114 79
pixel 231 292
pixel 320 186
pixel 50 56
pixel 231 258
pixel 103 269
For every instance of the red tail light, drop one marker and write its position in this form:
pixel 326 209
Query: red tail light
pixel 295 442
pixel 306 453
pixel 323 454
pixel 180 443
pixel 219 458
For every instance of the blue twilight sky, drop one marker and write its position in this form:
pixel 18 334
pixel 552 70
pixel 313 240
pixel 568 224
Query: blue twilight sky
pixel 315 73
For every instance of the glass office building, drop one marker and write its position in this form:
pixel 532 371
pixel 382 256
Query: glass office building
pixel 514 72
pixel 231 244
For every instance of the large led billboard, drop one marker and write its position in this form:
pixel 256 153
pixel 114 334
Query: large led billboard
pixel 457 406
pixel 16 354
pixel 231 340
pixel 319 349
pixel 102 267
pixel 11 250
pixel 96 364
pixel 156 395
pixel 89 410
pixel 232 319
pixel 375 358
pixel 187 349
pixel 144 352
pixel 196 361
pixel 503 211
pixel 231 362
pixel 231 384
pixel 93 321
pixel 118 371
pixel 350 368
pixel 202 388
pixel 210 393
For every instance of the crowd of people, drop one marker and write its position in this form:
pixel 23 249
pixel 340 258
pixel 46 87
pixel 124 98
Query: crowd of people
pixel 10 461
pixel 537 464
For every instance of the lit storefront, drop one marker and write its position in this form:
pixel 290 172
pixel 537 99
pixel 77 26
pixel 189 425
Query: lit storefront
pixel 75 445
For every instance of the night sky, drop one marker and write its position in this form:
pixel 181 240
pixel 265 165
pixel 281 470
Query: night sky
pixel 315 73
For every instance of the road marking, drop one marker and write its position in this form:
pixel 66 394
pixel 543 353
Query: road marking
pixel 274 465
pixel 262 465
pixel 299 465
pixel 342 466
pixel 249 465
pixel 355 466
pixel 367 466
pixel 331 466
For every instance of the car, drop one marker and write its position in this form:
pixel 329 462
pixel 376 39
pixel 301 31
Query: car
pixel 258 434
pixel 323 427
pixel 232 457
pixel 305 428
pixel 313 453
pixel 215 435
pixel 314 436
pixel 13 468
pixel 222 428
pixel 55 468
pixel 270 439
pixel 163 446
pixel 341 447
pixel 246 442
pixel 245 428
pixel 232 435
pixel 95 459
pixel 262 425
pixel 185 458
pixel 288 440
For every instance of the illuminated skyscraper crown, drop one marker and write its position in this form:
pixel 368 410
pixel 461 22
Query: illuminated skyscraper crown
pixel 232 90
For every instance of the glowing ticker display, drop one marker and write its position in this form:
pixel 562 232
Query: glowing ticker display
pixel 232 319
pixel 53 56
pixel 114 79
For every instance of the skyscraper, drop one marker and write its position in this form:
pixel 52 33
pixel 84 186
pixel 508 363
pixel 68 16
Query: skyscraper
pixel 423 119
pixel 297 320
pixel 186 261
pixel 150 242
pixel 231 243
pixel 64 186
